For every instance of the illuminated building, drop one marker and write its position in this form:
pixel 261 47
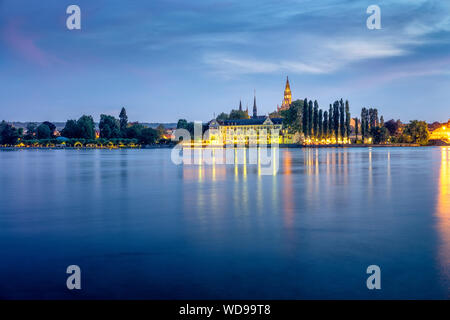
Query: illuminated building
pixel 442 133
pixel 287 100
pixel 255 130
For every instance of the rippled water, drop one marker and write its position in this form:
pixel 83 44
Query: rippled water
pixel 141 227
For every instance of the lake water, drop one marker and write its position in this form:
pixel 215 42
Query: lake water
pixel 141 227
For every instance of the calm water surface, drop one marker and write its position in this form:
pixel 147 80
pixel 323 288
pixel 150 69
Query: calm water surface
pixel 141 227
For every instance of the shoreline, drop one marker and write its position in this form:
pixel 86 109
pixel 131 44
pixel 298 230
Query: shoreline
pixel 281 146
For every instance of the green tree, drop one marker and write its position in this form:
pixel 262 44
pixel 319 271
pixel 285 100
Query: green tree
pixel 379 134
pixel 238 114
pixel 320 125
pixel 316 118
pixel 393 126
pixel 373 117
pixel 356 128
pixel 330 121
pixel 160 129
pixel 43 131
pixel 86 127
pixel 292 117
pixel 310 118
pixel 31 131
pixel 189 126
pixel 71 130
pixel 123 121
pixel 305 116
pixel 366 123
pixel 134 131
pixel 182 124
pixel 363 124
pixel 51 126
pixel 325 124
pixel 8 134
pixel 110 127
pixel 347 120
pixel 342 119
pixel 222 116
pixel 148 136
pixel 417 131
pixel 336 119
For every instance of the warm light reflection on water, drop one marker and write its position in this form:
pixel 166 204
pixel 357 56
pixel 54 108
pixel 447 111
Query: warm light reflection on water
pixel 227 230
pixel 443 214
pixel 288 193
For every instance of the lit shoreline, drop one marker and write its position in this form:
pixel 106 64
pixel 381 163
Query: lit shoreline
pixel 281 146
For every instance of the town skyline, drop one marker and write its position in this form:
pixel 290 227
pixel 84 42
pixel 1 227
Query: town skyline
pixel 166 61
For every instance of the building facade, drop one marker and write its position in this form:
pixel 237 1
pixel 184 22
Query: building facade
pixel 253 131
pixel 442 133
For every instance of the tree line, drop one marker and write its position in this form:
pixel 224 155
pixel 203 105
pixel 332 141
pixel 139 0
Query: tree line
pixel 315 124
pixel 110 129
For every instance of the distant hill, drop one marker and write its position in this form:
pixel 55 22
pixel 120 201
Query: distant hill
pixel 60 125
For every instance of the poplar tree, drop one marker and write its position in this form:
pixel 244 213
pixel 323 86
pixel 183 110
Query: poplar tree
pixel 336 119
pixel 330 121
pixel 363 124
pixel 366 124
pixel 123 121
pixel 305 117
pixel 342 119
pixel 320 124
pixel 325 124
pixel 375 114
pixel 310 117
pixel 316 119
pixel 347 119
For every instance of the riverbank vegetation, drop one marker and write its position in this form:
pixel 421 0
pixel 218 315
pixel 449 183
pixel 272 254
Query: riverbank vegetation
pixel 112 133
pixel 336 126
pixel 305 118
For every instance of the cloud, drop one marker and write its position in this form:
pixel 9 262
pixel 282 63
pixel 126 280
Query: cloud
pixel 368 49
pixel 328 57
pixel 25 45
pixel 229 65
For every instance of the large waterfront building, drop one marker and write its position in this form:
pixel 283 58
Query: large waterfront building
pixel 442 133
pixel 255 130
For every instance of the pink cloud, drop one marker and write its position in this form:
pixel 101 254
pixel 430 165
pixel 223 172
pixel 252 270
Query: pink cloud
pixel 25 45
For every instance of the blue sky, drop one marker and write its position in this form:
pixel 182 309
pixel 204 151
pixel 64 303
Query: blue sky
pixel 171 59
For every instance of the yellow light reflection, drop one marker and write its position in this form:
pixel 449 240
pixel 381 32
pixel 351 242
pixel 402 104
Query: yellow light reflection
pixel 288 192
pixel 443 213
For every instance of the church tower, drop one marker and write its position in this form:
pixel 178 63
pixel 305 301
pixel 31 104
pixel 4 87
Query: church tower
pixel 240 105
pixel 286 104
pixel 255 111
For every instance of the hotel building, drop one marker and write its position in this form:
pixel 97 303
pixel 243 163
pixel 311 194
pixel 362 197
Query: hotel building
pixel 252 131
